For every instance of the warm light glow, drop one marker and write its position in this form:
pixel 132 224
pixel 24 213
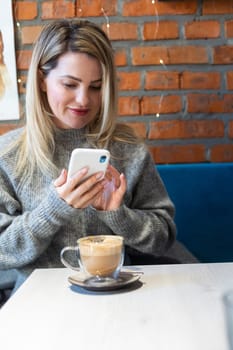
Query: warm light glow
pixel 107 20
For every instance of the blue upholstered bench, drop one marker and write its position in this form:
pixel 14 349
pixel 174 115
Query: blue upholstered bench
pixel 203 197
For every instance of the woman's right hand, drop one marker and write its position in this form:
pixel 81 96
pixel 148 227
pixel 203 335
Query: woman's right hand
pixel 76 194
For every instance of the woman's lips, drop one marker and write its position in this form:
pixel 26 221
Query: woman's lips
pixel 79 112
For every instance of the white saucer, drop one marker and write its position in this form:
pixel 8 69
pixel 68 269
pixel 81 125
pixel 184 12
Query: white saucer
pixel 125 278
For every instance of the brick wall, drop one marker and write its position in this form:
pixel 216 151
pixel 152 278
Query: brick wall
pixel 175 68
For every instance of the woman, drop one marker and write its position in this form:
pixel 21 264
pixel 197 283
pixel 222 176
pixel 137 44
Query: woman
pixel 71 102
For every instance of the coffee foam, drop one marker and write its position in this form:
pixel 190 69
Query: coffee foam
pixel 104 247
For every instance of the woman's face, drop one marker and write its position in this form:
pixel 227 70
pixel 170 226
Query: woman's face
pixel 73 90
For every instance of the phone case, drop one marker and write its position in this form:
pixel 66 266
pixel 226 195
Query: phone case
pixel 95 159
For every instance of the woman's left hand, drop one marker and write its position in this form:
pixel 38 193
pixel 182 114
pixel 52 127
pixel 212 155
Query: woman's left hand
pixel 113 192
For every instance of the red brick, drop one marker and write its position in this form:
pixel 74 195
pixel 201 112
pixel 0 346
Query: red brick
pixel 128 105
pixel 187 55
pixel 178 154
pixel 93 8
pixel 120 57
pixel 200 80
pixel 57 9
pixel 25 10
pixel 217 7
pixel 23 59
pixel 229 77
pixel 162 80
pixel 202 30
pixel 161 104
pixel 149 55
pixel 29 34
pixel 139 128
pixel 180 129
pixel 230 129
pixel 169 55
pixel 146 8
pixel 129 80
pixel 160 30
pixel 121 31
pixel 223 55
pixel 209 103
pixel 222 153
pixel 7 127
pixel 229 29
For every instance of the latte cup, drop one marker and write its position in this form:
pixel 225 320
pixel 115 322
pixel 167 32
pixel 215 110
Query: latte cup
pixel 99 257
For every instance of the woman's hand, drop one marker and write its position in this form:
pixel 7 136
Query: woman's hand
pixel 114 189
pixel 76 194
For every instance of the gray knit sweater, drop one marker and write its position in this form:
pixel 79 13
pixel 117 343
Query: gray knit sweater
pixel 35 224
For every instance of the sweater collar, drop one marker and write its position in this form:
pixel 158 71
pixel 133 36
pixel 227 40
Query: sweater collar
pixel 70 134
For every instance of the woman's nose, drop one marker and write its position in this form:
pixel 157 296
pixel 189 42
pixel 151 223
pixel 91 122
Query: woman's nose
pixel 82 97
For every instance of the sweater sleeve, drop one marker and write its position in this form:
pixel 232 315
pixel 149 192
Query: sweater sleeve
pixel 146 217
pixel 23 237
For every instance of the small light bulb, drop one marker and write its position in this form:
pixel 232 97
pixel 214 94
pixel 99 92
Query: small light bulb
pixel 161 61
pixel 19 81
pixel 157 115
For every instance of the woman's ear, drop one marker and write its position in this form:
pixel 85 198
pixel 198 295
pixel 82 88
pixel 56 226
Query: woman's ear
pixel 42 82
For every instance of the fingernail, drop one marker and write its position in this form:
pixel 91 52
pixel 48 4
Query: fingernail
pixel 99 175
pixel 83 170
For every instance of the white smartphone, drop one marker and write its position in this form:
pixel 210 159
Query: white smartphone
pixel 95 159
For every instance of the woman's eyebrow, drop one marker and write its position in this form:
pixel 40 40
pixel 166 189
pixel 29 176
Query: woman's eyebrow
pixel 80 80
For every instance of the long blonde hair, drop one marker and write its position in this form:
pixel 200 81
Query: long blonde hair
pixel 37 141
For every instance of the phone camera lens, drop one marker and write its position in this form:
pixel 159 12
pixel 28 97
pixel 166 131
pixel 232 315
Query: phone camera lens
pixel 103 159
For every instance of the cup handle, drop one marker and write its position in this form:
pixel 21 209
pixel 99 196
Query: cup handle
pixel 64 261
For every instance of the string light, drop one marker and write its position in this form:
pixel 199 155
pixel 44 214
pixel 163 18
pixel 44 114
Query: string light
pixel 156 17
pixel 107 20
pixel 154 3
pixel 18 25
pixel 161 97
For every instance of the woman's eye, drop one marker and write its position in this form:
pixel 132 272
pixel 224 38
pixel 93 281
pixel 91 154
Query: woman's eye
pixel 69 86
pixel 95 87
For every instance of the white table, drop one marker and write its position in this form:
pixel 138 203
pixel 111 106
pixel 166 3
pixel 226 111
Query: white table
pixel 176 307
